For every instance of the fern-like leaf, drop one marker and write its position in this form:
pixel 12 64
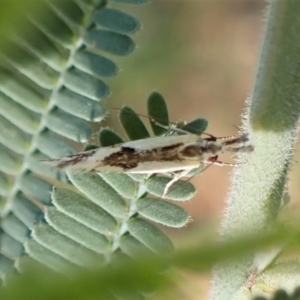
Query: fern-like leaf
pixel 52 80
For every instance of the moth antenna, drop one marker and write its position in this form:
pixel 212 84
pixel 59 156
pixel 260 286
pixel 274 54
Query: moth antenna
pixel 237 140
pixel 246 149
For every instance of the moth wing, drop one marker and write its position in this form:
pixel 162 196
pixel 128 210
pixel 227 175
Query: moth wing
pixel 164 166
pixel 88 160
pixel 92 160
pixel 160 142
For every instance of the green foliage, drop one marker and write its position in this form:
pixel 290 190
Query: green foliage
pixel 100 229
pixel 159 113
pixel 120 282
pixel 133 125
pixel 103 216
pixel 107 137
pixel 54 65
pixel 127 276
pixel 104 213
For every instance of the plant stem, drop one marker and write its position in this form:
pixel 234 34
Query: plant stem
pixel 255 197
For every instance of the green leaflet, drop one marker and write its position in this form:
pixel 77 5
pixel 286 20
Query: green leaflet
pixel 51 145
pixel 76 129
pixel 23 118
pixel 20 92
pixel 109 41
pixel 9 246
pixel 179 191
pixel 26 211
pixel 27 64
pixel 85 84
pixel 116 20
pixel 121 183
pixel 158 112
pixel 162 212
pixel 197 126
pixel 71 14
pixel 150 236
pixel 15 228
pixel 77 231
pixel 99 192
pixel 80 106
pixel 95 64
pixel 133 125
pixel 84 211
pixel 47 257
pixel 107 137
pixel 9 163
pixel 64 246
pixel 132 246
pixel 13 138
pixel 36 187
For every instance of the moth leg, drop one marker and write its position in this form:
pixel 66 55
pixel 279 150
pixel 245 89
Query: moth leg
pixel 228 137
pixel 214 161
pixel 174 179
pixel 220 163
pixel 168 128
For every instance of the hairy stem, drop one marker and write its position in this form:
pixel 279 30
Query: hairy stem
pixel 257 187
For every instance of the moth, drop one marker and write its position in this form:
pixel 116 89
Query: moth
pixel 156 155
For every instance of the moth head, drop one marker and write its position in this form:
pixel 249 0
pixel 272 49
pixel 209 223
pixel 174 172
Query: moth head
pixel 237 144
pixel 214 148
pixel 192 151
